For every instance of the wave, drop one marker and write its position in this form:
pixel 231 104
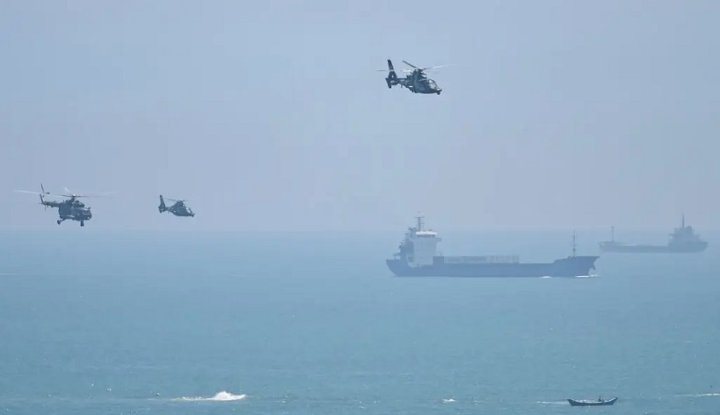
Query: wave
pixel 222 396
pixel 448 400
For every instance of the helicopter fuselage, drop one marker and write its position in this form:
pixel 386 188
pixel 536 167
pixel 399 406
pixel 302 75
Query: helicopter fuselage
pixel 71 209
pixel 416 81
pixel 178 208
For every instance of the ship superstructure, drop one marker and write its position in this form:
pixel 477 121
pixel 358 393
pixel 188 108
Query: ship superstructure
pixel 682 240
pixel 417 256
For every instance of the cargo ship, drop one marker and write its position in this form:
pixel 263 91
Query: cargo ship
pixel 682 240
pixel 417 257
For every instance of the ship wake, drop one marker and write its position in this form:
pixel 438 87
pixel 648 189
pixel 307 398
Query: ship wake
pixel 587 276
pixel 222 396
pixel 702 395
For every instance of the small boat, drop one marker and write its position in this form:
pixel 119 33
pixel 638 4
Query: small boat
pixel 598 402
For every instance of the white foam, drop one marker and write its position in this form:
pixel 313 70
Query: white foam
pixel 546 277
pixel 590 275
pixel 448 400
pixel 222 396
pixel 552 402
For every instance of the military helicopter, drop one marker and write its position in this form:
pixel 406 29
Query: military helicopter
pixel 177 209
pixel 416 80
pixel 71 208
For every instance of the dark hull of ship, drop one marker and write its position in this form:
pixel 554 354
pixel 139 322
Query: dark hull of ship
pixel 574 402
pixel 653 249
pixel 567 267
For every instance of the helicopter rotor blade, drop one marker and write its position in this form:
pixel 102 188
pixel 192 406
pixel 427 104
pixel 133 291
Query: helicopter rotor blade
pixel 102 194
pixel 436 67
pixel 40 193
pixel 67 195
pixel 77 195
pixel 410 64
pixel 397 70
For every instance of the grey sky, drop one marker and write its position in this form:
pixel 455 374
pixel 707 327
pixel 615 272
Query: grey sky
pixel 271 116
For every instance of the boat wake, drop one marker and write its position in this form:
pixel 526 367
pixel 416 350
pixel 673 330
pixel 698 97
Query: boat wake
pixel 448 400
pixel 552 402
pixel 222 396
pixel 702 395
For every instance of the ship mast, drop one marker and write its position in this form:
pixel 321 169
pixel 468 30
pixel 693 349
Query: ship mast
pixel 574 246
pixel 420 222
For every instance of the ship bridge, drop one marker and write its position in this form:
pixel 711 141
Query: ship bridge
pixel 423 245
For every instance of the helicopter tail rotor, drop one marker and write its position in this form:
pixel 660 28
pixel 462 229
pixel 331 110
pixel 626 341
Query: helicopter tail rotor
pixel 40 194
pixel 43 193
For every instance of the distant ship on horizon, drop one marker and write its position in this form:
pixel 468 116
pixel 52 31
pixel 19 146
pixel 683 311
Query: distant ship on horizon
pixel 682 240
pixel 417 257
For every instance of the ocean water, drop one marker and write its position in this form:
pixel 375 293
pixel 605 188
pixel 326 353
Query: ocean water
pixel 308 323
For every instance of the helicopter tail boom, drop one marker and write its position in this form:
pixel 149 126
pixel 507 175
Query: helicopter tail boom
pixel 392 78
pixel 162 208
pixel 42 200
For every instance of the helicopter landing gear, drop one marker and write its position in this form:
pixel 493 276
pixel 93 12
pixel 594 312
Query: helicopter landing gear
pixel 82 223
pixel 59 221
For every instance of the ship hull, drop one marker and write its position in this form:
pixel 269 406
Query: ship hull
pixel 653 249
pixel 567 267
pixel 574 402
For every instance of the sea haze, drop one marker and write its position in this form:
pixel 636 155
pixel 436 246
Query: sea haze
pixel 313 323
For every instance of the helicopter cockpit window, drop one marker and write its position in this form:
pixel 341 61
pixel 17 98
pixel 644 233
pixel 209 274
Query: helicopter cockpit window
pixel 432 84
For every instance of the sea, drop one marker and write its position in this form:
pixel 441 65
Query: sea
pixel 134 322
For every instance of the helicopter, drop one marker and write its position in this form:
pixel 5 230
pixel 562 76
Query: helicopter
pixel 71 209
pixel 177 209
pixel 416 80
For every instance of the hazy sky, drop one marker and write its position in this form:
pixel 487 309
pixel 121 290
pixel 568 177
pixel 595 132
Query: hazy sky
pixel 271 115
